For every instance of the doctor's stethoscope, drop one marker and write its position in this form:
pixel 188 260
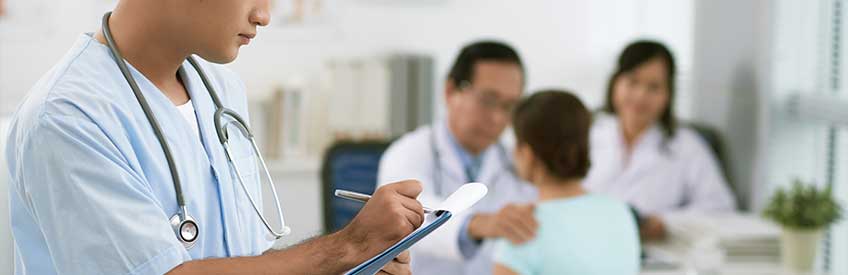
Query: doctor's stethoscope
pixel 184 225
pixel 437 165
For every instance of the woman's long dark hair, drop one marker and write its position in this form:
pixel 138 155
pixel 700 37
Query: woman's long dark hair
pixel 635 55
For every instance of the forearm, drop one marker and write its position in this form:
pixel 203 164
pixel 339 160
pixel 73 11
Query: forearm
pixel 324 255
pixel 479 226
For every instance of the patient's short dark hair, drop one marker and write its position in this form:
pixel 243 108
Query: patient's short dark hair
pixel 555 124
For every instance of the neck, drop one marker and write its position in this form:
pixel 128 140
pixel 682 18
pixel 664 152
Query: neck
pixel 552 189
pixel 452 128
pixel 632 131
pixel 146 44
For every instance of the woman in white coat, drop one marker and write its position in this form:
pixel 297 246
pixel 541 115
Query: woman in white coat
pixel 639 153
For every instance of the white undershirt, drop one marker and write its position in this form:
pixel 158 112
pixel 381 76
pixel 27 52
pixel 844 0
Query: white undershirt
pixel 187 110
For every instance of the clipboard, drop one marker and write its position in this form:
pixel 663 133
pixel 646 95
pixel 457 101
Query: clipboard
pixel 373 265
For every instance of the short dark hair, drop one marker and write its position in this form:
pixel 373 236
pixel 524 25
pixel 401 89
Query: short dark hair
pixel 633 56
pixel 463 67
pixel 555 124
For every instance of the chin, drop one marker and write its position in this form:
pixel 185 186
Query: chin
pixel 223 57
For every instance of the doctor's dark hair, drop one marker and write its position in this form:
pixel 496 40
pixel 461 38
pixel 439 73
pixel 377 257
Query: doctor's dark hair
pixel 463 68
pixel 637 54
pixel 555 124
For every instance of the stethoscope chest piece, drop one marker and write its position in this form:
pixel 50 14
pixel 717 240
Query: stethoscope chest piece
pixel 186 229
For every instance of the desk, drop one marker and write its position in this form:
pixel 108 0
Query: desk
pixel 679 263
pixel 731 269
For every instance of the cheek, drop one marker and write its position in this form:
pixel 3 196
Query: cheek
pixel 658 101
pixel 622 97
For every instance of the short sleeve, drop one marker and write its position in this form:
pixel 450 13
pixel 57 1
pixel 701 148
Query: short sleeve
pixel 94 213
pixel 522 259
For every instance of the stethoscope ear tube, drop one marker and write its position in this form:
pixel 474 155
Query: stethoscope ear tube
pixel 119 59
pixel 221 126
pixel 284 230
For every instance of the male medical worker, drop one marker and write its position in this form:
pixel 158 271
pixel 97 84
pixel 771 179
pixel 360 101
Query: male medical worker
pixel 484 84
pixel 91 191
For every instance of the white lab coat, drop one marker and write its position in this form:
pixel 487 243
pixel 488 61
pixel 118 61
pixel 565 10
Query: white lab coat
pixel 684 176
pixel 411 157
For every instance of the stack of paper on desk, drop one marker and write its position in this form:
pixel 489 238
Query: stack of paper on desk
pixel 741 238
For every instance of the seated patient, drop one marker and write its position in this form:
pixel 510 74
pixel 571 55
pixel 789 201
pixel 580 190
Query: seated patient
pixel 579 233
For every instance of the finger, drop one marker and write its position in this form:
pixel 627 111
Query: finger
pixel 415 219
pixel 526 208
pixel 395 268
pixel 522 234
pixel 404 258
pixel 409 188
pixel 525 223
pixel 412 204
pixel 529 211
pixel 526 217
pixel 511 234
pixel 406 222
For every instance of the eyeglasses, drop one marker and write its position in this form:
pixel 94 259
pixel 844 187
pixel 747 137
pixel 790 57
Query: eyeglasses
pixel 488 100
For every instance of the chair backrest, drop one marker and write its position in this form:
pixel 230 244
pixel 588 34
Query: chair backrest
pixel 351 166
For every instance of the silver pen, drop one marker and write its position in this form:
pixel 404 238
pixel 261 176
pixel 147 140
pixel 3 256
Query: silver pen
pixel 355 196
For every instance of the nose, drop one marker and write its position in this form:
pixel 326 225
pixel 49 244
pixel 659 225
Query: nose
pixel 261 16
pixel 500 117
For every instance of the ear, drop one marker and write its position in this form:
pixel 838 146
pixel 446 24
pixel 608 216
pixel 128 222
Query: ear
pixel 535 166
pixel 525 155
pixel 451 91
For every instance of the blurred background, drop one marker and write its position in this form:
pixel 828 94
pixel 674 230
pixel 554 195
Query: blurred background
pixel 769 76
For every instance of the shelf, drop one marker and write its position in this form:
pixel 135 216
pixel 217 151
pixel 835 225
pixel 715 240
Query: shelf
pixel 293 165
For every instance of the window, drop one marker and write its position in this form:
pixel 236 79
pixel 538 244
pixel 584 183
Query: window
pixel 808 113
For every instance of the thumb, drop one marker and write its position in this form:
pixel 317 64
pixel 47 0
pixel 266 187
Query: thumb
pixel 408 188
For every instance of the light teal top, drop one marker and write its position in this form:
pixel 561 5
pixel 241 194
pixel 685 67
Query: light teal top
pixel 589 234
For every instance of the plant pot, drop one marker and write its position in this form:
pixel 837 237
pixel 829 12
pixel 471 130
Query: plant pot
pixel 799 247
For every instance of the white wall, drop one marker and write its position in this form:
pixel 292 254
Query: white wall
pixel 731 56
pixel 6 257
pixel 565 43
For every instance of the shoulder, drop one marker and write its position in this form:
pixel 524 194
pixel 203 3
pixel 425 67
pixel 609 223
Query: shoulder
pixel 82 86
pixel 415 141
pixel 603 126
pixel 610 206
pixel 688 143
pixel 407 151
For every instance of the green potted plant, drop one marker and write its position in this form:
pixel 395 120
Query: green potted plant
pixel 804 212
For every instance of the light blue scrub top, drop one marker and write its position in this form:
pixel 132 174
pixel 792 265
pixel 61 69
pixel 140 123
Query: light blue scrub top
pixel 585 235
pixel 91 190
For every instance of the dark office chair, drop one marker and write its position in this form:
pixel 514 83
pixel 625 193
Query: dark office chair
pixel 351 166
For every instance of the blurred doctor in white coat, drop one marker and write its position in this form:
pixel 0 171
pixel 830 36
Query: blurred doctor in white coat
pixel 641 156
pixel 484 84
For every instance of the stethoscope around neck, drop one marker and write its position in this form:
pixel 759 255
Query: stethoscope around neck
pixel 438 172
pixel 184 225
